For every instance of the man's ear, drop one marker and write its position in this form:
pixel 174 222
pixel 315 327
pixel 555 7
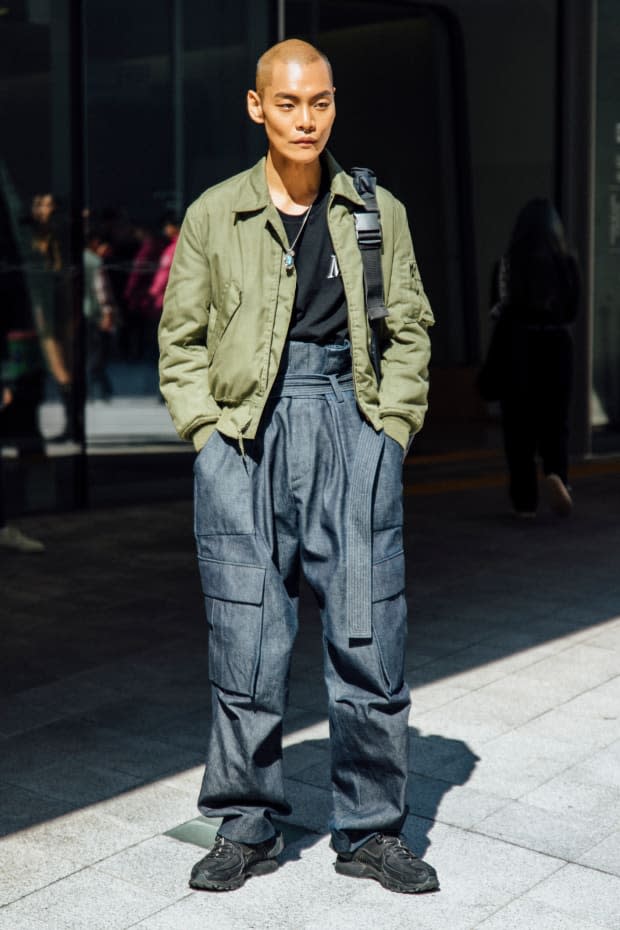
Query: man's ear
pixel 255 107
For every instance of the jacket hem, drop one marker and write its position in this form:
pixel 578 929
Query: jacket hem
pixel 200 436
pixel 397 429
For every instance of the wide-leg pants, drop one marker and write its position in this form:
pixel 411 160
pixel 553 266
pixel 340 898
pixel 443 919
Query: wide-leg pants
pixel 318 490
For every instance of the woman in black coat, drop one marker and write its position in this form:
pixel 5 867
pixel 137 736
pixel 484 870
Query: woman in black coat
pixel 529 367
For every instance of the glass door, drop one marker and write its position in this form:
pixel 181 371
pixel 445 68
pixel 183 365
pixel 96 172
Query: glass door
pixel 40 314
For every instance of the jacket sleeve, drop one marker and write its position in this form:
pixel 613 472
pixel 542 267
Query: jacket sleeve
pixel 406 348
pixel 183 373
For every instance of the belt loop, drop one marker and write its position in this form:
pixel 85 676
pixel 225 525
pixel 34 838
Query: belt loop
pixel 333 380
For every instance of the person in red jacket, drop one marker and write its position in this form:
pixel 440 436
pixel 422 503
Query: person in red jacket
pixel 171 229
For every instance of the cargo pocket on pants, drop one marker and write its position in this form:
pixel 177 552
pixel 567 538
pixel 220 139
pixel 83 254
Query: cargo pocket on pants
pixel 389 618
pixel 234 604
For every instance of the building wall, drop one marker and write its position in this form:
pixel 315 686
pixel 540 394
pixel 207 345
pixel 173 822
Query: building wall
pixel 510 60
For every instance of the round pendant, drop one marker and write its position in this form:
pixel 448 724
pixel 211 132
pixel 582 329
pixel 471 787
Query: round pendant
pixel 289 260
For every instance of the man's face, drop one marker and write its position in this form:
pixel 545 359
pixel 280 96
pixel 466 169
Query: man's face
pixel 297 110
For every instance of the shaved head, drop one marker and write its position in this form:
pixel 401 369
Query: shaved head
pixel 290 51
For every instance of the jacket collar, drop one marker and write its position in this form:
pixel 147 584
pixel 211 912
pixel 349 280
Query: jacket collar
pixel 253 193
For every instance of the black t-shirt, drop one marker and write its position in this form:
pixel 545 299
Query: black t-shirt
pixel 320 308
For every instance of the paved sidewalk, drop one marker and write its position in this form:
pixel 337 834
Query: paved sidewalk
pixel 514 664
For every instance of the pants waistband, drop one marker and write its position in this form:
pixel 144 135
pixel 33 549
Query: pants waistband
pixel 308 358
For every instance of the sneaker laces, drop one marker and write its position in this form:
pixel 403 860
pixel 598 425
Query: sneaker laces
pixel 399 847
pixel 218 851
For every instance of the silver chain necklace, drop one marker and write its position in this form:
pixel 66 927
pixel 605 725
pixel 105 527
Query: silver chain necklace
pixel 289 255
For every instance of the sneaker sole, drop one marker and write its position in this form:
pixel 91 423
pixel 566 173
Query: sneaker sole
pixel 362 870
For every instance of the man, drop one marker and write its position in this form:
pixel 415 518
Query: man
pixel 265 365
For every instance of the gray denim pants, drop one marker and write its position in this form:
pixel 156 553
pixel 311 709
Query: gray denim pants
pixel 320 491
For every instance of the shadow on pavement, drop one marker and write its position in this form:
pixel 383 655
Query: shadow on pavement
pixel 103 658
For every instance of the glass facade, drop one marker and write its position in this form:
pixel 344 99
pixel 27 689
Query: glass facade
pixel 41 329
pixel 605 407
pixel 120 114
pixel 164 89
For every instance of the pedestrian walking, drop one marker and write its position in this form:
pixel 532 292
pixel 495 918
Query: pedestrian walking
pixel 529 365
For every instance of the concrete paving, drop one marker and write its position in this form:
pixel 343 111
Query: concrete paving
pixel 514 665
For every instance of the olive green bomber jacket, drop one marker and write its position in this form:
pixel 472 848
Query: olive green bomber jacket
pixel 229 302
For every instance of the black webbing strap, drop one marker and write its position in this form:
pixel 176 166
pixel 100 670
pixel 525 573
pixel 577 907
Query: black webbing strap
pixel 369 240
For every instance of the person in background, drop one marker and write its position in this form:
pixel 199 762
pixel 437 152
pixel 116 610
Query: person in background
pixel 21 372
pixel 51 294
pixel 100 313
pixel 142 315
pixel 529 365
pixel 10 536
pixel 170 228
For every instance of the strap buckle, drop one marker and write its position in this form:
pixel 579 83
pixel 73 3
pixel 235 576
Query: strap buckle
pixel 368 229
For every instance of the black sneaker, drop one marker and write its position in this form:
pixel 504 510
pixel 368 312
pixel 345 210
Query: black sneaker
pixel 227 864
pixel 388 860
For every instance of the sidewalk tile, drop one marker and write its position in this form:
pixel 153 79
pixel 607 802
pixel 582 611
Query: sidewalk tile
pixel 9 920
pixel 573 671
pixel 475 869
pixel 158 864
pixel 433 695
pixel 450 804
pixel 429 751
pixel 605 856
pixel 587 732
pixel 86 899
pixel 18 715
pixel 602 767
pixel 191 914
pixel 609 638
pixel 482 664
pixel 602 702
pixel 84 836
pixel 152 808
pixel 78 784
pixel 69 696
pixel 187 781
pixel 564 834
pixel 526 914
pixel 582 893
pixel 570 793
pixel 189 732
pixel 20 809
pixel 24 868
pixel 514 764
pixel 374 907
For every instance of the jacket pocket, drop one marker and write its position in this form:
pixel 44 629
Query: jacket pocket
pixel 234 604
pixel 222 315
pixel 222 490
pixel 388 577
